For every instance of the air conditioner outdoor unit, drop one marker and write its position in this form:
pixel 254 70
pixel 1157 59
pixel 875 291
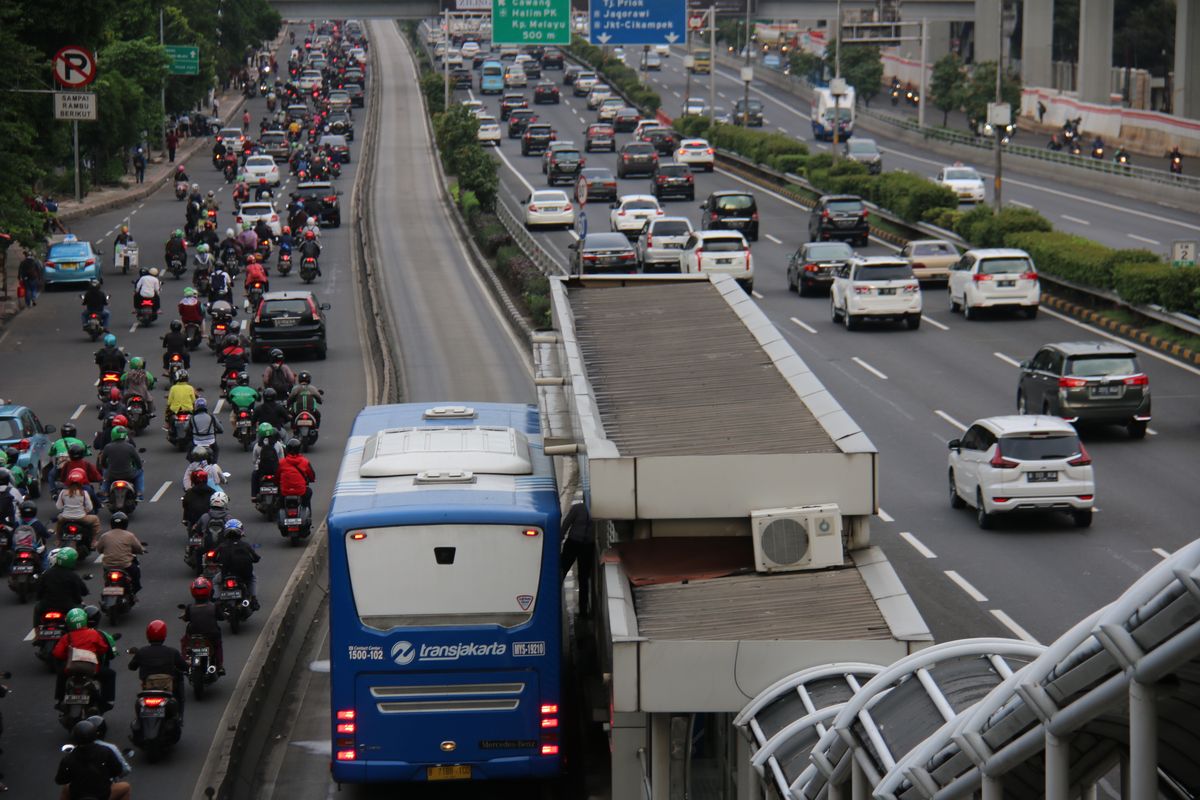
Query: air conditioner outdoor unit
pixel 800 538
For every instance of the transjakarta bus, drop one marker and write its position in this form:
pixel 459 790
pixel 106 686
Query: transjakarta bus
pixel 445 612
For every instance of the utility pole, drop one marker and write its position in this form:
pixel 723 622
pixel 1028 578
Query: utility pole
pixel 746 81
pixel 921 103
pixel 997 128
pixel 446 62
pixel 712 61
pixel 837 75
pixel 162 41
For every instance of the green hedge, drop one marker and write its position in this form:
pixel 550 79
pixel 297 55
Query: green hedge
pixel 1140 283
pixel 1066 256
pixel 984 228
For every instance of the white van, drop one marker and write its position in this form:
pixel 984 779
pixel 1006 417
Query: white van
pixel 823 110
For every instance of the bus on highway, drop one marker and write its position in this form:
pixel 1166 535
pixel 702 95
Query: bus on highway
pixel 491 78
pixel 445 610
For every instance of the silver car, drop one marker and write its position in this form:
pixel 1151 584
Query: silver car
pixel 659 245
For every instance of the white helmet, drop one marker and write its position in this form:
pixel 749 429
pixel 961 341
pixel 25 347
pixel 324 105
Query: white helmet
pixel 154 272
pixel 311 221
pixel 229 232
pixel 218 500
pixel 195 187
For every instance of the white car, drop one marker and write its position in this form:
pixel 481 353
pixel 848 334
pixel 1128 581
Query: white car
pixel 599 93
pixel 549 207
pixel 696 153
pixel 258 167
pixel 631 213
pixel 1021 463
pixel 474 106
pixel 310 79
pixel 663 50
pixel 253 212
pixel 643 125
pixel 608 109
pixel 991 278
pixel 875 287
pixel 514 76
pixel 716 253
pixel 489 131
pixel 697 106
pixel 651 61
pixel 454 58
pixel 658 246
pixel 231 137
pixel 584 83
pixel 469 49
pixel 963 181
pixel 358 54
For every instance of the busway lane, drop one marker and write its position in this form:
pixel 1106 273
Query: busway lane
pixel 48 365
pixel 949 365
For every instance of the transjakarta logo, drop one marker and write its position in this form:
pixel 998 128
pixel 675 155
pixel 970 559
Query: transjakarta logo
pixel 404 653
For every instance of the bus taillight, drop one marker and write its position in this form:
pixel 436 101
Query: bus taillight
pixel 531 532
pixel 349 755
pixel 549 708
pixel 549 722
pixel 547 750
pixel 346 714
pixel 345 727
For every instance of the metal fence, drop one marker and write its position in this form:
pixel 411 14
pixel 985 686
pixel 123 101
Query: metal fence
pixel 540 256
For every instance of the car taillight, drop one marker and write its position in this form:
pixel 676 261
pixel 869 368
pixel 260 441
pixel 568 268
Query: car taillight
pixel 709 151
pixel 533 207
pixel 331 198
pixel 713 215
pixel 1000 462
pixel 1137 380
pixel 1081 460
pixel 274 218
pixel 625 156
pixel 568 207
pixel 918 265
pixel 238 219
pixel 825 214
pixel 862 289
pixel 1071 383
pixel 911 288
pixel 979 277
pixel 345 755
pixel 754 216
pixel 864 213
pixel 313 311
pixel 661 179
pixel 51 264
pixel 1029 276
pixel 811 268
pixel 621 213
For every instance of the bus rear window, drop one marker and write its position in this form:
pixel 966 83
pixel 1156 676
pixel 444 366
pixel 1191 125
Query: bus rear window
pixel 444 575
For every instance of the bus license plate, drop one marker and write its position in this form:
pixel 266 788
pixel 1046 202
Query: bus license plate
pixel 113 591
pixel 457 772
pixel 1041 477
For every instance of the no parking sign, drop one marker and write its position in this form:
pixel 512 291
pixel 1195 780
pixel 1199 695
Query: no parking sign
pixel 74 67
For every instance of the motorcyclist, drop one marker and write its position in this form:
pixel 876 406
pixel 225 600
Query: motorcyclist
pixel 101 732
pixel 10 499
pixel 60 448
pixel 267 453
pixel 90 770
pixel 75 503
pixel 202 261
pixel 59 588
pixel 191 215
pixel 205 427
pixel 110 358
pixel 95 301
pixel 77 459
pixel 123 237
pixel 195 198
pixel 212 522
pixel 242 397
pixel 286 240
pixel 263 231
pixel 237 559
pixel 111 406
pixel 148 286
pixel 311 225
pixel 182 395
pixel 201 459
pixel 209 235
pixel 210 202
pixel 220 286
pixel 137 380
pixel 156 658
pixel 248 239
pixel 31 531
pixel 229 243
pixel 1097 145
pixel 197 498
pixel 175 342
pixel 176 246
pixel 80 637
pixel 233 355
pixel 191 310
pixel 1054 143
pixel 201 619
pixel 263 191
pixel 278 376
pixel 296 474
pixel 256 273
pixel 119 548
pixel 218 151
pixel 181 175
pixel 121 461
pixel 310 247
pixel 305 397
pixel 241 193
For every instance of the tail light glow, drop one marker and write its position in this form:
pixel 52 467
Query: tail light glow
pixel 114 576
pixel 1000 462
pixel 153 702
pixel 549 749
pixel 1137 380
pixel 1071 383
pixel 1081 460
pixel 346 755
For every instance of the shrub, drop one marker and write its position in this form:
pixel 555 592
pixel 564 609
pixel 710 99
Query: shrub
pixel 984 228
pixel 945 218
pixel 1180 289
pixel 433 87
pixel 788 162
pixel 505 255
pixel 971 225
pixel 1065 256
pixel 469 204
pixel 820 161
pixel 1140 283
pixel 490 234
pixel 478 173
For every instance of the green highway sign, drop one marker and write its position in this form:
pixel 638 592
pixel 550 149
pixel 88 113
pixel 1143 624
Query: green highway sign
pixel 531 21
pixel 185 59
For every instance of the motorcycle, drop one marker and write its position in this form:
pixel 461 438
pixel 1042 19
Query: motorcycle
pixel 174 367
pixel 895 93
pixel 116 598
pixel 271 102
pixel 228 381
pixel 211 215
pixel 305 428
pixel 191 332
pixel 243 427
pixel 254 294
pixel 233 605
pixel 176 266
pixel 147 314
pixel 1075 148
pixel 81 692
pixel 179 431
pixel 157 725
pixel 229 260
pixel 125 256
pixel 181 190
pixel 335 167
pixel 51 627
pixel 294 519
pixel 109 379
pixel 1098 153
pixel 122 496
pixel 230 171
pixel 284 266
pixel 217 330
pixel 137 413
pixel 202 672
pixel 24 571
pixel 73 533
pixel 263 250
pixel 195 555
pixel 1176 165
pixel 1122 159
pixel 93 326
pixel 308 269
pixel 5 555
pixel 267 499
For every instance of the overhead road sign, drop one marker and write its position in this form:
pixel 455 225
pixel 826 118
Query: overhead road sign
pixel 185 59
pixel 77 106
pixel 531 22
pixel 74 67
pixel 637 22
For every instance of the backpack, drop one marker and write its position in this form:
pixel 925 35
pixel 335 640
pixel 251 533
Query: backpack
pixel 268 459
pixel 278 381
pixel 24 536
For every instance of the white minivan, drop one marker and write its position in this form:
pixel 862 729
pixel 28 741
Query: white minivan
pixel 718 252
pixel 994 278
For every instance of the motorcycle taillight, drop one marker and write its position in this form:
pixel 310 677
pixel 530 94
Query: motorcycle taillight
pixel 231 583
pixel 291 512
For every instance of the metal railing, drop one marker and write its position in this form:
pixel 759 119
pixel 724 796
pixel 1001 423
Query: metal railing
pixel 540 256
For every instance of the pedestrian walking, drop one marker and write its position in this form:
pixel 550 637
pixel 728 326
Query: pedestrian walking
pixel 216 106
pixel 1041 109
pixel 29 273
pixel 172 143
pixel 139 165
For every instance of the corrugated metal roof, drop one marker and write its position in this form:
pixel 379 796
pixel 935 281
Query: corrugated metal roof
pixel 675 371
pixel 828 605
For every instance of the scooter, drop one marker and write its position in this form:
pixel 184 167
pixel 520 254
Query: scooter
pixel 305 427
pixel 179 430
pixel 233 605
pixel 176 266
pixel 174 367
pixel 157 725
pixel 285 263
pixel 122 496
pixel 137 413
pixel 202 672
pixel 81 691
pixel 51 627
pixel 93 326
pixel 191 332
pixel 254 294
pixel 116 598
pixel 1176 165
pixel 228 381
pixel 267 499
pixel 308 269
pixel 181 190
pixel 147 314
pixel 24 571
pixel 294 519
pixel 72 533
pixel 109 379
pixel 230 171
pixel 243 427
pixel 216 333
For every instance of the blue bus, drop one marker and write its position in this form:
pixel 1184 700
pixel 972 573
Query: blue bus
pixel 445 609
pixel 491 78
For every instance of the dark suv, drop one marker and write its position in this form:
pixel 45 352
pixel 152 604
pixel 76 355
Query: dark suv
pixel 552 59
pixel 1099 382
pixel 839 216
pixel 517 121
pixel 600 136
pixel 731 210
pixel 673 180
pixel 564 165
pixel 755 113
pixel 665 140
pixel 636 158
pixel 289 321
pixel 511 102
pixel 536 138
pixel 320 197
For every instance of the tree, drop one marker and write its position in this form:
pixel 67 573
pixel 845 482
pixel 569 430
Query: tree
pixel 477 173
pixel 862 67
pixel 806 65
pixel 981 90
pixel 455 130
pixel 946 85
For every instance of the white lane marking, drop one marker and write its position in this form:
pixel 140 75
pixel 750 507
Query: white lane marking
pixel 131 213
pixel 756 295
pixel 781 129
pixel 965 585
pixel 886 517
pixel 773 239
pixel 1145 239
pixel 1076 220
pixel 917 544
pixel 1011 624
pixel 721 95
pixel 79 411
pixel 1019 203
pixel 821 145
pixel 1160 552
pixel 133 327
pixel 804 325
pixel 869 368
pixel 1007 359
pixel 677 94
pixel 220 404
pixel 141 204
pixel 160 491
pixel 1128 343
pixel 950 419
pixel 935 323
pixel 29 637
pixel 509 164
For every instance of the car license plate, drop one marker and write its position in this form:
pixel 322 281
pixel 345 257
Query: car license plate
pixel 724 260
pixel 887 291
pixel 457 772
pixel 285 322
pixel 113 591
pixel 1106 391
pixel 231 594
pixel 552 209
pixel 1006 284
pixel 76 699
pixel 1044 476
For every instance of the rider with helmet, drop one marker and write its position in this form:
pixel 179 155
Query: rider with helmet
pixel 305 397
pixel 230 243
pixel 286 240
pixel 75 502
pixel 202 458
pixel 248 239
pixel 311 248
pixel 212 522
pixel 210 202
pixel 191 309
pixel 182 395
pixel 80 637
pixel 255 273
pixel 241 193
pixel 31 531
pixel 197 498
pixel 119 549
pixel 121 461
pixel 311 226
pixel 157 658
pixel 267 454
pixel 95 301
pixel 205 427
pixel 137 380
pixel 242 397
pixel 90 769
pixel 176 247
pixel 148 286
pixel 110 358
pixel 237 559
pixel 175 342
pixel 278 376
pixel 201 619
pixel 296 474
pixel 208 235
pixel 59 588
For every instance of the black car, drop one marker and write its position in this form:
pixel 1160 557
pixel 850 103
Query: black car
pixel 553 59
pixel 517 120
pixel 564 165
pixel 731 210
pixel 665 140
pixel 322 198
pixel 357 96
pixel 533 69
pixel 1087 382
pixel 460 77
pixel 570 72
pixel 603 253
pixel 291 321
pixel 600 136
pixel 813 264
pixel 755 113
pixel 626 119
pixel 839 216
pixel 636 158
pixel 673 180
pixel 597 184
pixel 478 59
pixel 510 103
pixel 536 138
pixel 339 123
pixel 545 92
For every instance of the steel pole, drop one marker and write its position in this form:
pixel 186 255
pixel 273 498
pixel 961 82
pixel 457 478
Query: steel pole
pixel 991 788
pixel 996 129
pixel 446 63
pixel 924 62
pixel 712 62
pixel 1143 740
pixel 161 42
pixel 1058 768
pixel 75 136
pixel 746 92
pixel 687 71
pixel 837 73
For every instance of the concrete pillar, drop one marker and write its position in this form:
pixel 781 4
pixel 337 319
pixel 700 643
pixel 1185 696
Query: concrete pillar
pixel 1095 50
pixel 987 30
pixel 939 42
pixel 1037 46
pixel 630 745
pixel 1185 100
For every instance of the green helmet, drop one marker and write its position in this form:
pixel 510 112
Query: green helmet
pixel 76 619
pixel 201 248
pixel 178 234
pixel 136 362
pixel 189 292
pixel 66 557
pixel 266 429
pixel 119 433
pixel 245 226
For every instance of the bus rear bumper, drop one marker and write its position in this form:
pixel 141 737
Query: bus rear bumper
pixel 521 767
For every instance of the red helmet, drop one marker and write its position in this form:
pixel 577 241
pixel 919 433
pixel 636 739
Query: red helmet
pixel 287 230
pixel 156 631
pixel 202 589
pixel 76 476
pixel 250 259
pixel 309 235
pixel 199 476
pixel 114 394
pixel 262 181
pixel 120 419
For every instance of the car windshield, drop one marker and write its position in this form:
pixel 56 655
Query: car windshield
pixel 1004 266
pixel 639 205
pixel 723 244
pixel 260 161
pixel 828 251
pixel 335 141
pixel 68 250
pixel 274 136
pixel 933 249
pixel 520 114
pixel 1039 448
pixel 671 227
pixel 599 175
pixel 297 307
pixel 315 189
pixel 607 241
pixel 256 210
pixel 487 121
pixel 845 206
pixel 600 130
pixel 674 170
pixel 965 174
pixel 883 272
pixel 862 147
pixel 10 428
pixel 734 202
pixel 1099 366
pixel 638 149
pixel 567 155
pixel 549 197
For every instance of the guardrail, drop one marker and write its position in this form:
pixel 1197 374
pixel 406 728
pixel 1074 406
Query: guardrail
pixel 540 256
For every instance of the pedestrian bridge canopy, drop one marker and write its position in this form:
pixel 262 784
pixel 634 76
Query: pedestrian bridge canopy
pixel 357 9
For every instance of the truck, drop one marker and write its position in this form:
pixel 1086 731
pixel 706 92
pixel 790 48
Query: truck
pixel 825 106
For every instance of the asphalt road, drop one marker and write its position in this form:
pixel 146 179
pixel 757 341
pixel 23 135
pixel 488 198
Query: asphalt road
pixel 1093 213
pixel 48 366
pixel 911 392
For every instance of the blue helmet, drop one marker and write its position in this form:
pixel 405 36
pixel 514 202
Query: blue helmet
pixel 233 529
pixel 109 340
pixel 201 404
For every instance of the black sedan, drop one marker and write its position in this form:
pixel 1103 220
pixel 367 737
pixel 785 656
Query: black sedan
pixel 596 184
pixel 545 92
pixel 603 253
pixel 813 264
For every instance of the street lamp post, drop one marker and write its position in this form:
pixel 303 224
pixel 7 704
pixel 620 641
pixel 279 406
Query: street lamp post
pixel 747 73
pixel 837 86
pixel 997 128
